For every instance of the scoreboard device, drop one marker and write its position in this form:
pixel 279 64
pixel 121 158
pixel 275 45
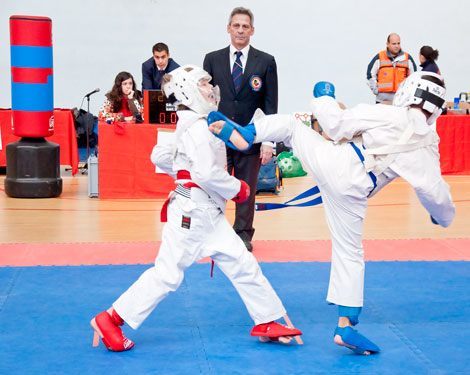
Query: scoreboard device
pixel 157 110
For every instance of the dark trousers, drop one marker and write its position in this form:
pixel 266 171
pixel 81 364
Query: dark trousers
pixel 244 167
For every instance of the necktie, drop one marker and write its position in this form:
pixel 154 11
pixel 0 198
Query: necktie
pixel 237 72
pixel 159 78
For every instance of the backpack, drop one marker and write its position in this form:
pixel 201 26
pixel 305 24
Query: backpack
pixel 270 177
pixel 85 120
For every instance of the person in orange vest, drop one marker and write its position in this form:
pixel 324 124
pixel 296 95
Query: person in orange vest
pixel 388 69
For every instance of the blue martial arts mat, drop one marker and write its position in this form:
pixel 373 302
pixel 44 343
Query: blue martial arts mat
pixel 417 312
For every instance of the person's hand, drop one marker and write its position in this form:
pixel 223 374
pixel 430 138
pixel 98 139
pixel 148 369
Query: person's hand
pixel 316 126
pixel 235 138
pixel 243 193
pixel 216 127
pixel 266 154
pixel 129 119
pixel 130 95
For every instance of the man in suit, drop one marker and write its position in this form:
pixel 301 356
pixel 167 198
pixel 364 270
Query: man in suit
pixel 158 65
pixel 247 79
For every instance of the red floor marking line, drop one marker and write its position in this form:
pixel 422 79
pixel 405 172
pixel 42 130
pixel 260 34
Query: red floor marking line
pixel 77 209
pixel 62 254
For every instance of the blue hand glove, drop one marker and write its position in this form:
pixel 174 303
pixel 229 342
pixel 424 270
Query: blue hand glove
pixel 434 221
pixel 248 132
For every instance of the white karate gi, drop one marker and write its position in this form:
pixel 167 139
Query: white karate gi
pixel 204 156
pixel 344 183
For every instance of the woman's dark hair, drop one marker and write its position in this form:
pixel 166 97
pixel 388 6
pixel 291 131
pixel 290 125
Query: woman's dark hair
pixel 429 53
pixel 115 95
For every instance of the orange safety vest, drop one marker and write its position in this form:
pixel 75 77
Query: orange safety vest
pixel 389 76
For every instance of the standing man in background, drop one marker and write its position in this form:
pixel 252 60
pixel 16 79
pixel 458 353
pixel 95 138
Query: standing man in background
pixel 388 69
pixel 156 67
pixel 247 79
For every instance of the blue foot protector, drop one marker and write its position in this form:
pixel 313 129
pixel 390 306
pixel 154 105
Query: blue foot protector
pixel 358 343
pixel 248 132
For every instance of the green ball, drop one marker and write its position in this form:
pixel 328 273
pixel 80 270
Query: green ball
pixel 286 165
pixel 290 166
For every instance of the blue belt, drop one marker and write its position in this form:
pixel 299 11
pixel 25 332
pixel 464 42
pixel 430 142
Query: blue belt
pixel 312 191
pixel 361 158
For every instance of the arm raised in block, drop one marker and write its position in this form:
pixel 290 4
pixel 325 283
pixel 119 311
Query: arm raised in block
pixel 238 137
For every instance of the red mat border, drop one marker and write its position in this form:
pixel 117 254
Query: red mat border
pixel 104 253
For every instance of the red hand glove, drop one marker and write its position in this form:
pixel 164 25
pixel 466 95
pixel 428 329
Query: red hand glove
pixel 243 194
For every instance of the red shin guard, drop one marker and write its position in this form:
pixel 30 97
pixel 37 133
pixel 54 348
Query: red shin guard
pixel 111 333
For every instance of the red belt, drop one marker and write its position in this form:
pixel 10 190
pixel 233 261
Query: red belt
pixel 180 175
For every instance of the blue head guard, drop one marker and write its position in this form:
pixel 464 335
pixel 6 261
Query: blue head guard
pixel 323 88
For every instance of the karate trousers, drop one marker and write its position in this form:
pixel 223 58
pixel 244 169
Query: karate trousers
pixel 197 228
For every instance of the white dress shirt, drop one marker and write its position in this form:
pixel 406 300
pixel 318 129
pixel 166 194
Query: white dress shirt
pixel 243 57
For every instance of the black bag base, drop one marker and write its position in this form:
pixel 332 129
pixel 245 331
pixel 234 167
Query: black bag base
pixel 33 169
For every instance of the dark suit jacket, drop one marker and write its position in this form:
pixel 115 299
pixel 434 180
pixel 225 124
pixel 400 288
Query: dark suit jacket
pixel 150 79
pixel 258 88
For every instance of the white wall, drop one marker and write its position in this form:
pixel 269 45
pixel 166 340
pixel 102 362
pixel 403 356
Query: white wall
pixel 330 40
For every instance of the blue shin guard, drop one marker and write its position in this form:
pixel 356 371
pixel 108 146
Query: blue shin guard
pixel 352 313
pixel 358 343
pixel 247 132
pixel 352 339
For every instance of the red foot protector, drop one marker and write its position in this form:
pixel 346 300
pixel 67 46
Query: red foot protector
pixel 111 335
pixel 274 330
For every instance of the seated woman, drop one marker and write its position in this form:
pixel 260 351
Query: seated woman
pixel 123 102
pixel 427 58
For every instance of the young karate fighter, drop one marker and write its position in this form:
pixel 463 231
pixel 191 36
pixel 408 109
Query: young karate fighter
pixel 396 141
pixel 196 225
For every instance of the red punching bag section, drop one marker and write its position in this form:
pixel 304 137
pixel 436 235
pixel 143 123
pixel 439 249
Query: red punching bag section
pixel 33 164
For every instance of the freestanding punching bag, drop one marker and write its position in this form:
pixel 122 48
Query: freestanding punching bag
pixel 33 164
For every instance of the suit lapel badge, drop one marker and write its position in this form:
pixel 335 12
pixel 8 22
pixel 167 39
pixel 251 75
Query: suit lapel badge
pixel 256 83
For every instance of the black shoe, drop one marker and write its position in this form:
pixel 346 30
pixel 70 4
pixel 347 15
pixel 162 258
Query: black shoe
pixel 248 245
